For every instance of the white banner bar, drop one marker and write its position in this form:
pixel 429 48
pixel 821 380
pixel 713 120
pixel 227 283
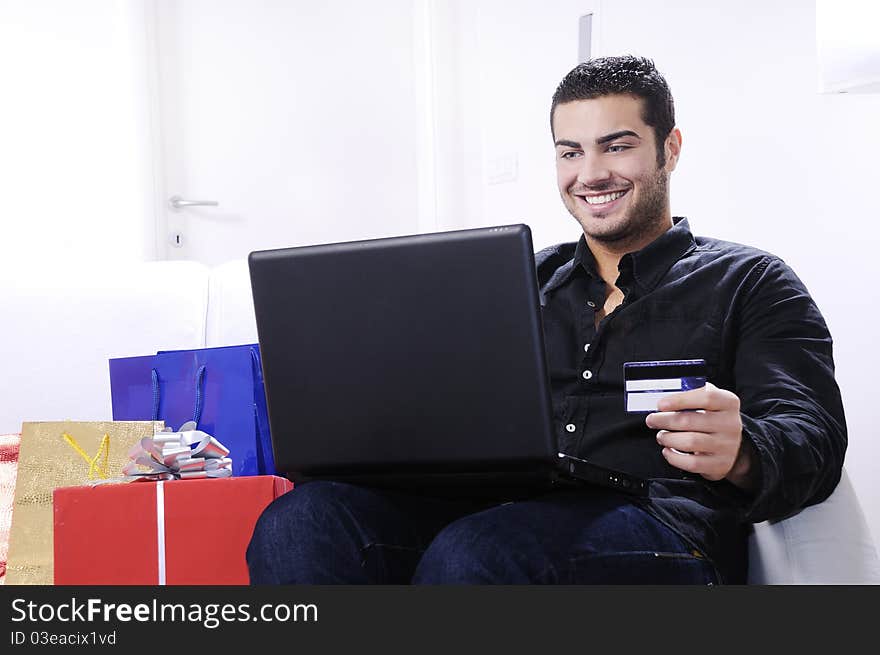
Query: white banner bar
pixel 654 385
pixel 644 402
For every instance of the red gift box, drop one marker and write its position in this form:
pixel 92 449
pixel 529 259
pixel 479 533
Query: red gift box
pixel 184 532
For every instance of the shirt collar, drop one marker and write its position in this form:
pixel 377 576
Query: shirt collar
pixel 646 266
pixel 652 262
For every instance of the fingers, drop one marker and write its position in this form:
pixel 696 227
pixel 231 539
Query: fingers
pixel 688 442
pixel 700 430
pixel 709 397
pixel 711 467
pixel 715 410
pixel 696 421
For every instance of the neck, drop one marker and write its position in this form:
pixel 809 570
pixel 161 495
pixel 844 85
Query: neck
pixel 608 254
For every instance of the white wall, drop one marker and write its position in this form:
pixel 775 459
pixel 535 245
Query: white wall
pixel 766 160
pixel 75 153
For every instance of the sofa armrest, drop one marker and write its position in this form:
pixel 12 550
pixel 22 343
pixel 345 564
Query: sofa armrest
pixel 230 319
pixel 828 543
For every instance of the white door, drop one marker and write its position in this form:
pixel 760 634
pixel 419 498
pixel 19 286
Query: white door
pixel 297 118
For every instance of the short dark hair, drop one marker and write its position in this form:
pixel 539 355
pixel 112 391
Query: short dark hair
pixel 636 76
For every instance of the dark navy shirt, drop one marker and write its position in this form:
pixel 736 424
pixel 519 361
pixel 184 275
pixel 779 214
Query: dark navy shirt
pixel 749 316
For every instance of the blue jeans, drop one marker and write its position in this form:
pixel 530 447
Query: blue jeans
pixel 335 533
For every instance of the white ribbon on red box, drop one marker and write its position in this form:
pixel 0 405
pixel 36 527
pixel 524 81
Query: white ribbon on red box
pixel 185 454
pixel 160 531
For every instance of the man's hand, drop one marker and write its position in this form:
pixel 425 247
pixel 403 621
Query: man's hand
pixel 708 440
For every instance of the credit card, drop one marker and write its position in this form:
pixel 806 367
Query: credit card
pixel 645 383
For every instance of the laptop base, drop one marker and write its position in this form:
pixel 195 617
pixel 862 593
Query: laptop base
pixel 570 473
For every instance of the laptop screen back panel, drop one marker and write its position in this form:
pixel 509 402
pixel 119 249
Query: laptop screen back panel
pixel 420 353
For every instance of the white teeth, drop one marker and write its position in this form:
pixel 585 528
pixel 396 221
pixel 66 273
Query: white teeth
pixel 608 197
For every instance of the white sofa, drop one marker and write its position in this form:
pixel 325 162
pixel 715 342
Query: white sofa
pixel 60 327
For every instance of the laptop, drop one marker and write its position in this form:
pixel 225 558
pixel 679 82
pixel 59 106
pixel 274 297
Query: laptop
pixel 414 361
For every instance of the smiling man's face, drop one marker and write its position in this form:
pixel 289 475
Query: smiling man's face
pixel 608 173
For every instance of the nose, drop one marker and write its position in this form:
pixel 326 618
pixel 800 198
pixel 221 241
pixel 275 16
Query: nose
pixel 593 171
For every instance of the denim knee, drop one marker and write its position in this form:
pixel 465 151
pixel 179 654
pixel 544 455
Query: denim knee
pixel 283 517
pixel 465 553
pixel 301 537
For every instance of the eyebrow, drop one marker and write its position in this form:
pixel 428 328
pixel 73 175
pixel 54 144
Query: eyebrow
pixel 616 135
pixel 601 140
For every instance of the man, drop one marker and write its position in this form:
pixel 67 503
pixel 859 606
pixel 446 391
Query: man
pixel 765 437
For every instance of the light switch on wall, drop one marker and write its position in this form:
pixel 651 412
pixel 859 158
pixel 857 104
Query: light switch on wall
pixel 502 169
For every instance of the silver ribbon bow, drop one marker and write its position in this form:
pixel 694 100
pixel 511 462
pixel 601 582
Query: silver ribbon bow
pixel 185 454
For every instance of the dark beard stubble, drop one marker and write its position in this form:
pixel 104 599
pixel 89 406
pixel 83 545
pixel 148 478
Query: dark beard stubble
pixel 646 218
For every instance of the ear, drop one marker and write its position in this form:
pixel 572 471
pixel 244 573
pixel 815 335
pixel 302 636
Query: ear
pixel 672 148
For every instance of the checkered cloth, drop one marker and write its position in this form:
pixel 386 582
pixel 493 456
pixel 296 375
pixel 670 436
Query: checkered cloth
pixel 9 444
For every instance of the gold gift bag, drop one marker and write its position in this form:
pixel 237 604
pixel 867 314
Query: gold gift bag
pixel 60 454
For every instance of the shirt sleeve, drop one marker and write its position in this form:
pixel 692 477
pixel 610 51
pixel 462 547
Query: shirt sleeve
pixel 791 407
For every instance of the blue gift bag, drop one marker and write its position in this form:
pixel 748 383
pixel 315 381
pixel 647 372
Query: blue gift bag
pixel 221 389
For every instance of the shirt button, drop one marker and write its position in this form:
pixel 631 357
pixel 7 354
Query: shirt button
pixel 570 427
pixel 587 375
pixel 586 347
pixel 590 303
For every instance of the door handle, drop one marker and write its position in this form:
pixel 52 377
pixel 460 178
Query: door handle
pixel 177 202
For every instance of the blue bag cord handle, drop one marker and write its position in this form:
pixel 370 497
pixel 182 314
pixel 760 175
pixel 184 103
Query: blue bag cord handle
pixel 261 458
pixel 200 379
pixel 155 412
pixel 197 412
pixel 265 460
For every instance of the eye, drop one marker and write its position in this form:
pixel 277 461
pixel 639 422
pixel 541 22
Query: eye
pixel 570 154
pixel 618 147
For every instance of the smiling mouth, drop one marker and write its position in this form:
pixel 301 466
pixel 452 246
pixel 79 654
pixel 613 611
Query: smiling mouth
pixel 604 198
